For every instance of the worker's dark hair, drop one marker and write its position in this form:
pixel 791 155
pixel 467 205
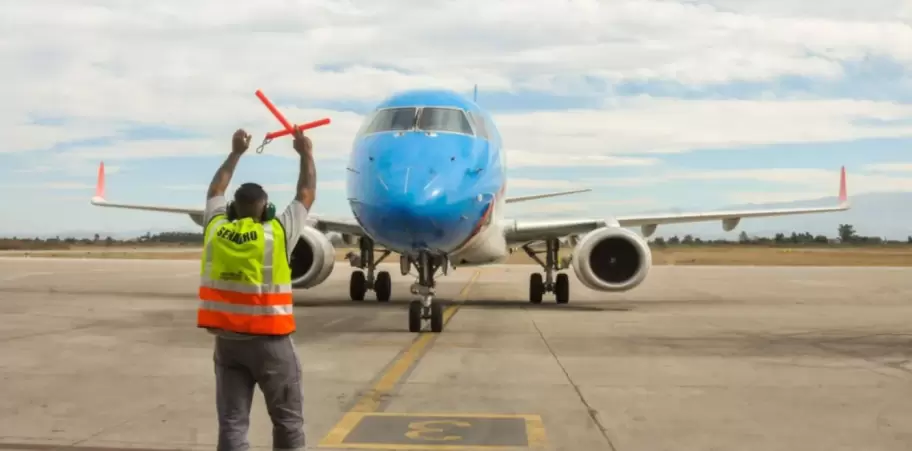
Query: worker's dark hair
pixel 249 200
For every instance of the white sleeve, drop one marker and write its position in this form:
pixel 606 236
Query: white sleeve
pixel 292 220
pixel 215 206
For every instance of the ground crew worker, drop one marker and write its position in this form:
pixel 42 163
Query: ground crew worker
pixel 246 300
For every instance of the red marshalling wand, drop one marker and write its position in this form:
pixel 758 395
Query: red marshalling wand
pixel 288 127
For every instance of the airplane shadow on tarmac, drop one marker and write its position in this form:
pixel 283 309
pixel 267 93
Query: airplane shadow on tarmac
pixel 506 304
pixel 305 300
pixel 399 304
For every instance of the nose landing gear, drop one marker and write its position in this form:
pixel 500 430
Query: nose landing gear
pixel 425 311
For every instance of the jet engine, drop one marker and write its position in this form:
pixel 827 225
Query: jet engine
pixel 611 259
pixel 312 259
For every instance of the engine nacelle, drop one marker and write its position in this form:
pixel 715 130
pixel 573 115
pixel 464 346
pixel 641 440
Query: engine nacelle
pixel 341 240
pixel 312 259
pixel 335 238
pixel 611 259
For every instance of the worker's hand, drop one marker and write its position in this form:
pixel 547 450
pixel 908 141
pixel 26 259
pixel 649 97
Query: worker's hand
pixel 302 144
pixel 240 142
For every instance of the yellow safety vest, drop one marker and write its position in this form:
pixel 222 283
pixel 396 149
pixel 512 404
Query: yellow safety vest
pixel 245 280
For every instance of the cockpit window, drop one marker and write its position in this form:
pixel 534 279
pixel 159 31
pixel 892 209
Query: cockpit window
pixel 444 120
pixel 480 127
pixel 392 119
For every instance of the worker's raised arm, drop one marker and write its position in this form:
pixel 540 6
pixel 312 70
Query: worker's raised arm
pixel 239 144
pixel 307 177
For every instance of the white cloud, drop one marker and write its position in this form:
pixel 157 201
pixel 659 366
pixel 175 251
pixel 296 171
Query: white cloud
pixel 65 186
pixel 584 208
pixel 774 175
pixel 541 184
pixel 656 125
pixel 870 10
pixel 797 183
pixel 520 158
pixel 569 138
pixel 195 65
pixel 69 168
pixel 888 167
pixel 27 136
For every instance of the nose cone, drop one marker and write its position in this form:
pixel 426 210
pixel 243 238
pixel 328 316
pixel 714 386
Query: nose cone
pixel 417 195
pixel 420 207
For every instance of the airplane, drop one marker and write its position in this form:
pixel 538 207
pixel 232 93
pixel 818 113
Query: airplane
pixel 426 178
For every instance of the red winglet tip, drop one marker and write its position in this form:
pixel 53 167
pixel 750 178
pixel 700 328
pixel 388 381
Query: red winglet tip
pixel 100 186
pixel 843 193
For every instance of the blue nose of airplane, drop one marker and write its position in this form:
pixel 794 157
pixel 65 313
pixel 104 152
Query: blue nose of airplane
pixel 420 207
pixel 418 194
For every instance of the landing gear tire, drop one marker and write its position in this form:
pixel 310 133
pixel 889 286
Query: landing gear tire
pixel 562 289
pixel 415 309
pixel 436 318
pixel 360 283
pixel 418 313
pixel 357 286
pixel 536 288
pixel 383 286
pixel 552 264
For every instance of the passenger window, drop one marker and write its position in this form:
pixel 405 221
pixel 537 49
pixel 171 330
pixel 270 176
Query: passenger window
pixel 392 119
pixel 480 127
pixel 444 120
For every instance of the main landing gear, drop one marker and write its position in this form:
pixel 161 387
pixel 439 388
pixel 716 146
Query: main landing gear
pixel 425 310
pixel 537 286
pixel 382 284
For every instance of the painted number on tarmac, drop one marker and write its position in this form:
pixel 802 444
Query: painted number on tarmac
pixel 426 430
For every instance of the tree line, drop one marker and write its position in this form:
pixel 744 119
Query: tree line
pixel 845 235
pixel 149 239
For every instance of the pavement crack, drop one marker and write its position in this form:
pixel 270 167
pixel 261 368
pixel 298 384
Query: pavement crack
pixel 593 414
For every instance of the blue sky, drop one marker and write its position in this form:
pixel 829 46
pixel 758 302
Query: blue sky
pixel 652 104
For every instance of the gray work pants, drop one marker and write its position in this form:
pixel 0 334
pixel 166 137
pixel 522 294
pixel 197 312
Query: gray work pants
pixel 271 363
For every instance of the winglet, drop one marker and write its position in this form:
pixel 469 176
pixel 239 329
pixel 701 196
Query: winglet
pixel 100 186
pixel 843 193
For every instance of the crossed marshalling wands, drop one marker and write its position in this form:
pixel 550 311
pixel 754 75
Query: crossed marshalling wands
pixel 289 129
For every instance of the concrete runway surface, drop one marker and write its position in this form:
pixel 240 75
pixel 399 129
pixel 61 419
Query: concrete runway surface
pixel 104 355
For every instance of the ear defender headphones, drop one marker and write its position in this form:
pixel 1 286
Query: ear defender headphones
pixel 268 212
pixel 246 189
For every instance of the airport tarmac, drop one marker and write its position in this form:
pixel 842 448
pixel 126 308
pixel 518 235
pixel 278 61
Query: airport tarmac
pixel 104 355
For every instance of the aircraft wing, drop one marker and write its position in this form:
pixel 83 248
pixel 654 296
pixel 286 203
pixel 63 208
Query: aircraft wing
pixel 511 200
pixel 344 226
pixel 523 231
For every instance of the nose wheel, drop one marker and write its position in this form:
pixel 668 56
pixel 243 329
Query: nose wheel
pixel 360 283
pixel 425 317
pixel 424 313
pixel 539 285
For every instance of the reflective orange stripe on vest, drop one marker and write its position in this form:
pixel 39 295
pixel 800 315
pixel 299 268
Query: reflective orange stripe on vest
pixel 264 309
pixel 279 324
pixel 244 294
